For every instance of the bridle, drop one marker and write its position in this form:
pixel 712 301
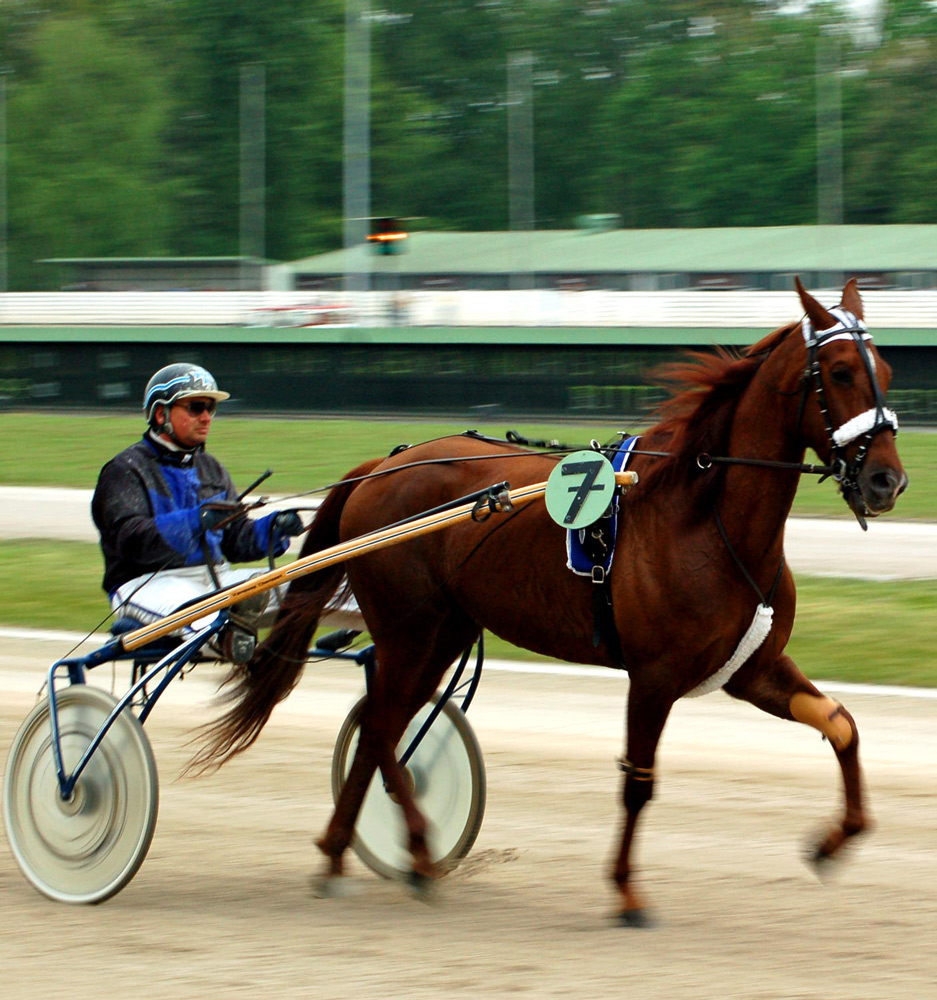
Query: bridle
pixel 864 425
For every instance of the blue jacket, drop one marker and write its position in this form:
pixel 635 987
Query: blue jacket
pixel 146 507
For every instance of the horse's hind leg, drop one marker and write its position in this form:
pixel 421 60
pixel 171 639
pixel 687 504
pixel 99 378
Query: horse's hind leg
pixel 334 842
pixel 784 691
pixel 404 681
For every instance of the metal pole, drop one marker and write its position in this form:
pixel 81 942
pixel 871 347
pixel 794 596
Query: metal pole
pixel 521 153
pixel 829 133
pixel 357 140
pixel 253 172
pixel 830 147
pixel 4 228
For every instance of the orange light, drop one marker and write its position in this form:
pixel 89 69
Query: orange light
pixel 385 237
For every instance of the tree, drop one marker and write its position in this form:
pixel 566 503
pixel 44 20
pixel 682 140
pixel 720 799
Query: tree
pixel 891 124
pixel 85 127
pixel 714 126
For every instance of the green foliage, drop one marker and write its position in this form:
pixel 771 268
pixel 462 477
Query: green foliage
pixel 891 139
pixel 301 51
pixel 125 117
pixel 86 125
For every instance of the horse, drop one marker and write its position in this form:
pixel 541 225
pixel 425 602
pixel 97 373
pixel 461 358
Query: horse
pixel 700 547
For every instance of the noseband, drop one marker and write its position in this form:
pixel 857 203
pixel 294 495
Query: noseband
pixel 865 425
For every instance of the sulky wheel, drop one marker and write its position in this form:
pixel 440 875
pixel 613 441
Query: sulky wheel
pixel 448 776
pixel 89 847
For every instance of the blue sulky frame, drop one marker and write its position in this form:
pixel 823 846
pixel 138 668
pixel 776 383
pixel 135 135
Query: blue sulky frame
pixel 172 662
pixel 152 661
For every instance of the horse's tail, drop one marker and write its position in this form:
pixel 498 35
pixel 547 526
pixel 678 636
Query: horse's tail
pixel 277 665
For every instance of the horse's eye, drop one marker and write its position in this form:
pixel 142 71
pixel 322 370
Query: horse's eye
pixel 841 376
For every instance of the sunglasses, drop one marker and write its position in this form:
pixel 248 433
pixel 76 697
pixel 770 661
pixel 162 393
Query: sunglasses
pixel 199 406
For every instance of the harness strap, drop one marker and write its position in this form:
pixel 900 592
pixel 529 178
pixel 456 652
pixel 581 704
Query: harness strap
pixel 765 601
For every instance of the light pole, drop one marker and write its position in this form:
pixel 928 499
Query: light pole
pixel 253 167
pixel 829 132
pixel 4 229
pixel 356 175
pixel 521 153
pixel 830 148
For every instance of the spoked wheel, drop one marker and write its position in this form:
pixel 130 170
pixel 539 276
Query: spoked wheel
pixel 88 847
pixel 448 777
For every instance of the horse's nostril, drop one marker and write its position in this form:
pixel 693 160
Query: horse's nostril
pixel 887 483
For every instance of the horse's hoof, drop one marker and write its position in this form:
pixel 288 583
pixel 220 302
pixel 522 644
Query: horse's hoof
pixel 635 918
pixel 821 862
pixel 331 887
pixel 420 886
pixel 822 855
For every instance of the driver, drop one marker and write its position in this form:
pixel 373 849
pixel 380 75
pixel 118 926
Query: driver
pixel 166 539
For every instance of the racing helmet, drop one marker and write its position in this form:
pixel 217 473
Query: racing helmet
pixel 179 381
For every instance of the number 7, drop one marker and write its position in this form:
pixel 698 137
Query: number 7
pixel 589 471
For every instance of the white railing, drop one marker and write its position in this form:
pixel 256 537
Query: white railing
pixel 671 309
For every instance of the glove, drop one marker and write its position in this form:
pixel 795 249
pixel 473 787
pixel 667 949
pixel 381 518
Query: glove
pixel 288 523
pixel 213 512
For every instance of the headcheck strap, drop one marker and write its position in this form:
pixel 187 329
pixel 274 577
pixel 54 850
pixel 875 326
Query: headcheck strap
pixel 848 326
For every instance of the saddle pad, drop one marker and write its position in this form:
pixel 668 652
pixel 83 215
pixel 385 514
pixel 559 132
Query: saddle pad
pixel 577 557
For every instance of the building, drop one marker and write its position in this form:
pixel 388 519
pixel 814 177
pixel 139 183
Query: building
pixel 881 257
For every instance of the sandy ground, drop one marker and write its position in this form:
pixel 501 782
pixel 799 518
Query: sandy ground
pixel 223 905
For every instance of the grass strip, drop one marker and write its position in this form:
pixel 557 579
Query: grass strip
pixel 846 630
pixel 54 450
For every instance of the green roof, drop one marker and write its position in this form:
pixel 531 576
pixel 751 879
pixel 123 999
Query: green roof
pixel 152 261
pixel 793 249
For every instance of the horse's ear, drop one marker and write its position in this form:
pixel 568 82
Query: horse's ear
pixel 852 300
pixel 819 317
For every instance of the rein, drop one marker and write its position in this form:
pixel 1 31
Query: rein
pixel 705 461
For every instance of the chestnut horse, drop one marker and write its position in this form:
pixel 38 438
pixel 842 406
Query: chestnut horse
pixel 700 549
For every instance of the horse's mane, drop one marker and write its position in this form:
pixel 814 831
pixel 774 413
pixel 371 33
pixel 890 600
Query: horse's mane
pixel 697 417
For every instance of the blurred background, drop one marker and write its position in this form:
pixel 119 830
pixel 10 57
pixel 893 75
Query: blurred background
pixel 377 164
pixel 126 120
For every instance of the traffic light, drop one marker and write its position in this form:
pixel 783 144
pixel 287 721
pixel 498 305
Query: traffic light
pixel 386 236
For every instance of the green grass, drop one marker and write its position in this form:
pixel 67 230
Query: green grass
pixel 55 450
pixel 52 450
pixel 846 630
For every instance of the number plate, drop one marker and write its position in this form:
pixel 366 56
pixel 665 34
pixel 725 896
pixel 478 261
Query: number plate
pixel 580 489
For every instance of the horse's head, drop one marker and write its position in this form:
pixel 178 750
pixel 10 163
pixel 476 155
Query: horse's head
pixel 842 413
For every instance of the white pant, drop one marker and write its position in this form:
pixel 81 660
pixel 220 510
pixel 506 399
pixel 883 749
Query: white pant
pixel 153 596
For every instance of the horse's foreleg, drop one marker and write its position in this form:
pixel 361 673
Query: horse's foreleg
pixel 785 692
pixel 646 718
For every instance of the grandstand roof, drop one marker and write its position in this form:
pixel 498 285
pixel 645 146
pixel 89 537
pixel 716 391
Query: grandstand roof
pixel 764 249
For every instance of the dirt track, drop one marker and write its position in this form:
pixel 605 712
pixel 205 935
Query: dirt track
pixel 223 905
